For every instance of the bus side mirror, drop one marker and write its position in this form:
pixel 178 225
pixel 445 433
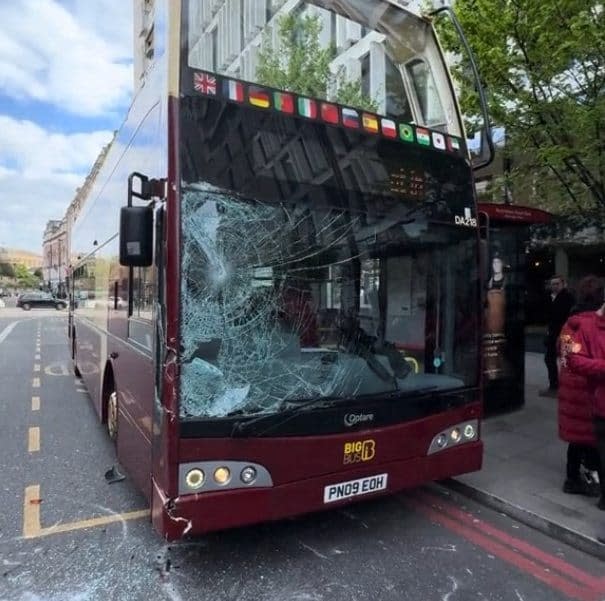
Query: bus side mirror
pixel 136 236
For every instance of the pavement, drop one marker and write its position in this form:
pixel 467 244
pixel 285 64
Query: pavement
pixel 524 469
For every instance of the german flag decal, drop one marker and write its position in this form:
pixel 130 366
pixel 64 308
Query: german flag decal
pixel 259 97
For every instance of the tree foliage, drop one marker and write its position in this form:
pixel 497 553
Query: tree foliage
pixel 543 65
pixel 301 64
pixel 25 278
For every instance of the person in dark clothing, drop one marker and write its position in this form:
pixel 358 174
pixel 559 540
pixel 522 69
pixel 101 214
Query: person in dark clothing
pixel 575 399
pixel 561 302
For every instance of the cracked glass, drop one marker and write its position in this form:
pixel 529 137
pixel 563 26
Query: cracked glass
pixel 286 302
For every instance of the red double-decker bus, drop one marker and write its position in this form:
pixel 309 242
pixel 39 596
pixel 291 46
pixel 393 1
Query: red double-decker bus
pixel 275 292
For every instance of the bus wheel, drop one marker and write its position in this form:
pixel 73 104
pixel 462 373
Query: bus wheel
pixel 112 415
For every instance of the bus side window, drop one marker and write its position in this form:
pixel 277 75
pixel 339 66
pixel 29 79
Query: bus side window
pixel 427 93
pixel 143 291
pixel 140 324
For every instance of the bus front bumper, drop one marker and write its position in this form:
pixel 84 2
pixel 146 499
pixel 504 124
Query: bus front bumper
pixel 195 514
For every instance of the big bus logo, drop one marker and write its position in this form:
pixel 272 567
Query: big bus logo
pixel 358 451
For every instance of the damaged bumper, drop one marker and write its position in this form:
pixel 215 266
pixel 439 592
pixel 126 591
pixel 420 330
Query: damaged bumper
pixel 196 514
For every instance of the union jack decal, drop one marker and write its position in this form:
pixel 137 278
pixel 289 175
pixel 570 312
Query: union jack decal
pixel 204 83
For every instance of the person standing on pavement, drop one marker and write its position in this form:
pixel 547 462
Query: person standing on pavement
pixel 561 302
pixel 587 358
pixel 575 398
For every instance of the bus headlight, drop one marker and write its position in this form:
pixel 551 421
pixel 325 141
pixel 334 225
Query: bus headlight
pixel 222 475
pixel 248 475
pixel 469 431
pixel 455 435
pixel 195 478
pixel 198 477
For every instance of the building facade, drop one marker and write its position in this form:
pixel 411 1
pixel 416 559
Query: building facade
pixel 77 204
pixel 55 255
pixel 143 39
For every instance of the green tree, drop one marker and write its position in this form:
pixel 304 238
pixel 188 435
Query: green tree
pixel 25 278
pixel 300 64
pixel 543 65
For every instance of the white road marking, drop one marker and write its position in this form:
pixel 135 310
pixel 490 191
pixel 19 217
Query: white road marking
pixel 7 330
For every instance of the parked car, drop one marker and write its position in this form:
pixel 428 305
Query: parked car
pixel 32 300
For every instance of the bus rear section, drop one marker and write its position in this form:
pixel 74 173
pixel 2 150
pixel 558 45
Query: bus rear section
pixel 328 289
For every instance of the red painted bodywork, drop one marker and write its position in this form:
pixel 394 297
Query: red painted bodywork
pixel 302 466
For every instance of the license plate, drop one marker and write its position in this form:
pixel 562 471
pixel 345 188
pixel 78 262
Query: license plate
pixel 354 488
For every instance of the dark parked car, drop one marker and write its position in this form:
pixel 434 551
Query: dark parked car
pixel 31 300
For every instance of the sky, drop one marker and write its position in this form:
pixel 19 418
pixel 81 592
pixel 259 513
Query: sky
pixel 65 85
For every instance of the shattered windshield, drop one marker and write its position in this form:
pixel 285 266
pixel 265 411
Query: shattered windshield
pixel 290 301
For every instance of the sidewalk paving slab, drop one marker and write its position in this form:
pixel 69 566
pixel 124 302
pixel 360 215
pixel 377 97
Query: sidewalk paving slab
pixel 524 469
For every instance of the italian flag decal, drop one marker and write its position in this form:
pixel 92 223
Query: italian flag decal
pixel 307 108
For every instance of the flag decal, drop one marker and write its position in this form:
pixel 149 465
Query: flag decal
pixel 259 97
pixel 284 102
pixel 234 90
pixel 370 123
pixel 389 129
pixel 438 140
pixel 423 136
pixel 406 132
pixel 307 108
pixel 350 118
pixel 205 83
pixel 329 113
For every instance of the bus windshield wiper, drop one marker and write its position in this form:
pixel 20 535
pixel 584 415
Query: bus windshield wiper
pixel 245 428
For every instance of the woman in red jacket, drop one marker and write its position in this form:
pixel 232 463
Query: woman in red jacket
pixel 575 397
pixel 587 358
